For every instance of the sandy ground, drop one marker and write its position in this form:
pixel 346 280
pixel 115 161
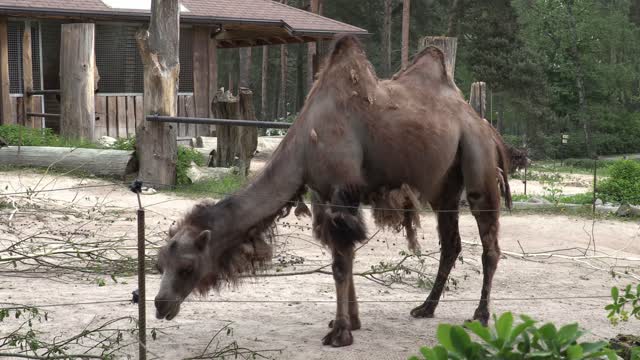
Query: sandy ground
pixel 290 314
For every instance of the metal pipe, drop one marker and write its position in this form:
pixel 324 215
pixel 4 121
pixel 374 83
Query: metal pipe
pixel 208 121
pixel 43 92
pixel 43 115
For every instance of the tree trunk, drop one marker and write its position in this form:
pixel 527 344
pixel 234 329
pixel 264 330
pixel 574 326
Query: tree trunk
pixel 247 136
pixel 100 162
pixel 77 58
pixel 575 57
pixel 300 80
pixel 448 45
pixel 156 147
pixel 386 38
pixel 406 22
pixel 245 67
pixel 312 54
pixel 282 103
pixel 226 106
pixel 478 98
pixel 455 14
pixel 27 77
pixel 5 99
pixel 265 78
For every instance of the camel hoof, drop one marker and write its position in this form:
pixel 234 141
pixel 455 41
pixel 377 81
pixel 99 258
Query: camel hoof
pixel 340 335
pixel 482 317
pixel 423 311
pixel 355 324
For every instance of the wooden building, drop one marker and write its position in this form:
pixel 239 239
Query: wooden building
pixel 30 47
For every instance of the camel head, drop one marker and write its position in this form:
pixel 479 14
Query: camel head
pixel 197 257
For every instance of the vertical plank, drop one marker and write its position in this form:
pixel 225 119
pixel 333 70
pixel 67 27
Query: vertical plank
pixel 139 111
pixel 27 76
pixel 101 117
pixel 112 116
pixel 189 111
pixel 7 115
pixel 77 75
pixel 201 76
pixel 131 116
pixel 181 129
pixel 122 116
pixel 38 106
pixel 213 77
pixel 19 110
pixel 13 106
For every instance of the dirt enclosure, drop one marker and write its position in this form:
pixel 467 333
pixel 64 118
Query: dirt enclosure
pixel 89 235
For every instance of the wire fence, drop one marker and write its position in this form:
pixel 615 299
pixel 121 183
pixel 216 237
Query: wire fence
pixel 89 234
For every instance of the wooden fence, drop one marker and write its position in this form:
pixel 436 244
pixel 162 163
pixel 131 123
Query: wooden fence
pixel 119 115
pixel 17 111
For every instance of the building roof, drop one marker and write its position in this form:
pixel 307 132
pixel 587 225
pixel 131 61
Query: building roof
pixel 246 22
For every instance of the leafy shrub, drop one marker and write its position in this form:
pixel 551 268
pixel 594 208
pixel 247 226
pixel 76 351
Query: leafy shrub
pixel 513 341
pixel 618 310
pixel 16 135
pixel 587 163
pixel 124 144
pixel 186 155
pixel 623 184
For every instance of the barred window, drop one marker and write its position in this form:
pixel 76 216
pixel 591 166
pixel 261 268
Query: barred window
pixel 14 37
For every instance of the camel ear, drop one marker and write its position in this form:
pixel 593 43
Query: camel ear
pixel 203 239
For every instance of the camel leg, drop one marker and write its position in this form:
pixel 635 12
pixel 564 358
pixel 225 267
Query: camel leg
pixel 354 316
pixel 450 244
pixel 342 228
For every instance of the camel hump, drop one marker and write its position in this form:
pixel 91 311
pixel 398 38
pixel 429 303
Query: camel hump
pixel 345 45
pixel 429 63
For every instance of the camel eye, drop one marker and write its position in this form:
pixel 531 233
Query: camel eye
pixel 185 272
pixel 159 268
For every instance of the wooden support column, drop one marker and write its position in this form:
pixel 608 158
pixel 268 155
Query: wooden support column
pixel 312 51
pixel 226 106
pixel 448 45
pixel 406 21
pixel 478 98
pixel 77 61
pixel 201 40
pixel 213 78
pixel 247 143
pixel 5 99
pixel 27 77
pixel 157 147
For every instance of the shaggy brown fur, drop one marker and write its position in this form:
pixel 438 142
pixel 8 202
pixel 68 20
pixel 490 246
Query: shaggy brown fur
pixel 397 144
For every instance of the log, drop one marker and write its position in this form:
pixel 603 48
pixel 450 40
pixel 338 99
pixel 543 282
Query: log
pixel 77 81
pixel 5 99
pixel 226 106
pixel 247 141
pixel 100 162
pixel 27 76
pixel 157 148
pixel 478 98
pixel 448 45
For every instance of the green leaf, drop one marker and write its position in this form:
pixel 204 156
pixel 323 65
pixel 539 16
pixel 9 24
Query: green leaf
pixel 567 334
pixel 444 336
pixel 590 347
pixel 503 326
pixel 548 333
pixel 427 353
pixel 460 339
pixel 520 328
pixel 440 352
pixel 614 293
pixel 479 330
pixel 574 352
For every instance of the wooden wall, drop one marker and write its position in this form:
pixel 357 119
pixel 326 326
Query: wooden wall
pixel 118 116
pixel 17 111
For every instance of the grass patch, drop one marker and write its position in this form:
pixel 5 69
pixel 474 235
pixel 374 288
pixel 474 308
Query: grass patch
pixel 212 188
pixel 578 166
pixel 16 135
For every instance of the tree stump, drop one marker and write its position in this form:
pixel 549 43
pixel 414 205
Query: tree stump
pixel 226 106
pixel 478 98
pixel 448 45
pixel 156 147
pixel 247 136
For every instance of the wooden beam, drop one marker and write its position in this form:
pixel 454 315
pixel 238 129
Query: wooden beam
pixel 213 75
pixel 157 148
pixel 201 76
pixel 77 58
pixel 5 98
pixel 27 76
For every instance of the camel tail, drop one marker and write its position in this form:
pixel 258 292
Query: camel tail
pixel 503 170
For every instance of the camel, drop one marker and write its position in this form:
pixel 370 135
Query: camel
pixel 396 144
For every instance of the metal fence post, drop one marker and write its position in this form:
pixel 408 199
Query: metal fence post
pixel 136 187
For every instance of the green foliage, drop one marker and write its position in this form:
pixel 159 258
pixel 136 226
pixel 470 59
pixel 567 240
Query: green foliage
pixel 508 340
pixel 625 305
pixel 124 144
pixel 186 156
pixel 16 135
pixel 623 184
pixel 213 188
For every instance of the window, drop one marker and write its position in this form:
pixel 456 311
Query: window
pixel 15 33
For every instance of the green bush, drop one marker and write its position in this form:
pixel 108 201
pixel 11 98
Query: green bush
pixel 16 135
pixel 124 144
pixel 587 163
pixel 623 184
pixel 512 341
pixel 185 156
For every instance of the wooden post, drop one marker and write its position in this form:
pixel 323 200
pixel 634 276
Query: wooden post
pixel 312 50
pixel 247 136
pixel 5 98
pixel 386 38
pixel 406 21
pixel 213 77
pixel 263 89
pixel 448 45
pixel 157 147
pixel 27 76
pixel 201 37
pixel 226 106
pixel 478 98
pixel 77 59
